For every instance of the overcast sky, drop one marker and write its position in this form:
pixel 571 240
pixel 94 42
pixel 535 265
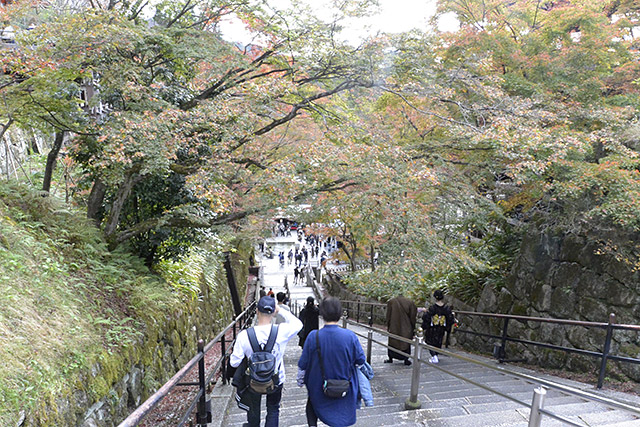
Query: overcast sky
pixel 395 16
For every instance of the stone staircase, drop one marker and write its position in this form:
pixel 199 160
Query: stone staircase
pixel 446 400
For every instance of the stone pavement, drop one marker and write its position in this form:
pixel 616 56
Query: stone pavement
pixel 446 400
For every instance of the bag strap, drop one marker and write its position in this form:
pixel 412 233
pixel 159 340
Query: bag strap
pixel 320 356
pixel 253 339
pixel 272 339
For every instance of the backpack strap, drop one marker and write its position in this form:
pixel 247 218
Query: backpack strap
pixel 272 338
pixel 253 339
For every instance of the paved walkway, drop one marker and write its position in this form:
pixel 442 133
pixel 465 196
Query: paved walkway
pixel 274 275
pixel 446 400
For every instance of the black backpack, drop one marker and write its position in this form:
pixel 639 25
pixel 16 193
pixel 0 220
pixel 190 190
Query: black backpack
pixel 263 372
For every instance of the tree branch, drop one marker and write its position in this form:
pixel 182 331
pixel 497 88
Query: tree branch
pixel 430 113
pixel 186 8
pixel 200 222
pixel 295 109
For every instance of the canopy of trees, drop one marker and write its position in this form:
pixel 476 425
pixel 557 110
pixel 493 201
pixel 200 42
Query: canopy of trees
pixel 427 148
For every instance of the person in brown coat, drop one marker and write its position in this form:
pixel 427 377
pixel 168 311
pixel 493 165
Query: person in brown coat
pixel 401 320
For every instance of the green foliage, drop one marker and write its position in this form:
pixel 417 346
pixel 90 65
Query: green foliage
pixel 608 191
pixel 66 299
pixel 184 275
pixel 195 269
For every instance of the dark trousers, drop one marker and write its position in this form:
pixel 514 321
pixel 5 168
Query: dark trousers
pixel 273 408
pixel 434 338
pixel 312 418
pixel 393 355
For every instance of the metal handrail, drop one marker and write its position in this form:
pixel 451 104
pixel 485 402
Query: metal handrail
pixel 145 408
pixel 364 302
pixel 604 355
pixel 612 403
pixel 536 319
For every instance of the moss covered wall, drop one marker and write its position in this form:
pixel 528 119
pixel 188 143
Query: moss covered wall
pixel 120 381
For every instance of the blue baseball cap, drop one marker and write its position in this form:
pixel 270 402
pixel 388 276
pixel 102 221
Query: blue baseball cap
pixel 267 304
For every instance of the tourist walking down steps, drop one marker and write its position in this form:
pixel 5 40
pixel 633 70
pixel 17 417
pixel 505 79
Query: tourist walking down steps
pixel 331 353
pixel 247 398
pixel 401 321
pixel 436 321
pixel 309 317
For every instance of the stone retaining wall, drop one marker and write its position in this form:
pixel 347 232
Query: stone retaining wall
pixel 578 275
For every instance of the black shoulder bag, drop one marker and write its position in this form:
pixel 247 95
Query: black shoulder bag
pixel 331 388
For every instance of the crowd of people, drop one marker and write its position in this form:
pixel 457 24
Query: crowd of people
pixel 332 366
pixel 309 247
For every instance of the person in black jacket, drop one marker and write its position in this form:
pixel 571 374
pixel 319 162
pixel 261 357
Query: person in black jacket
pixel 309 317
pixel 437 320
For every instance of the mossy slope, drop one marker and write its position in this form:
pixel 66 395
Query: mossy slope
pixel 75 317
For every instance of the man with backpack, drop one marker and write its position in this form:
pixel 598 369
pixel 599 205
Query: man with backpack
pixel 260 350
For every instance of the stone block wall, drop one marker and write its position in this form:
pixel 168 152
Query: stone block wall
pixel 334 286
pixel 567 274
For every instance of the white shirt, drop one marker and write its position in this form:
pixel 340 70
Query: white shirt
pixel 279 317
pixel 286 331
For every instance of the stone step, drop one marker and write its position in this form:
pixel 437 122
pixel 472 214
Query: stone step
pixel 430 418
pixel 445 400
pixel 609 417
pixel 578 410
pixel 635 423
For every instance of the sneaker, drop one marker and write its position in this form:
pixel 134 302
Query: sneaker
pixel 435 359
pixel 407 362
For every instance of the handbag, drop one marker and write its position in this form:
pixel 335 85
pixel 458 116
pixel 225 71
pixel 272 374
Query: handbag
pixel 335 389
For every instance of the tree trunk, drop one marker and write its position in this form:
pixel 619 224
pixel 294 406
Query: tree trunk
pixel 51 161
pixel 351 256
pixel 372 258
pixel 34 143
pixel 94 204
pixel 5 128
pixel 117 205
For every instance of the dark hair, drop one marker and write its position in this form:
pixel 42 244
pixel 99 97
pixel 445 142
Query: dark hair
pixel 438 294
pixel 280 296
pixel 331 309
pixel 310 300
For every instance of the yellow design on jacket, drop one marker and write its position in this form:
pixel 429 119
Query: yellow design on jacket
pixel 438 320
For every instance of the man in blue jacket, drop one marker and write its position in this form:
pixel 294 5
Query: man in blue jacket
pixel 340 352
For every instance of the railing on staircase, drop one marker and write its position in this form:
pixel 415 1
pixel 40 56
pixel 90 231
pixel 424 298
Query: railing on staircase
pixel 537 404
pixel 199 401
pixel 604 355
pixel 377 314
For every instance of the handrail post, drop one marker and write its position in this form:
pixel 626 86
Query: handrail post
pixel 203 417
pixel 502 353
pixel 412 402
pixel 371 316
pixel 605 351
pixel 344 319
pixel 223 353
pixel 358 313
pixel 535 418
pixel 369 343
